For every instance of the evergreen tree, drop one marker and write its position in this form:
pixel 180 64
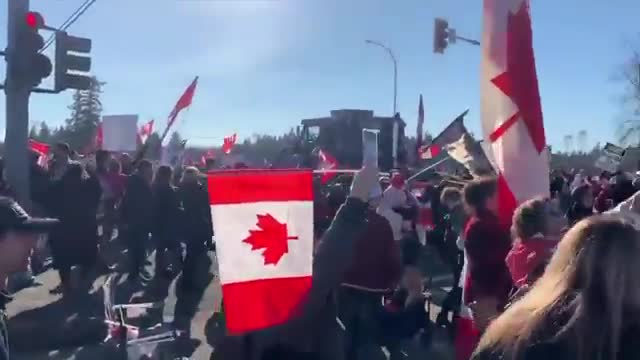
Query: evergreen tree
pixel 175 142
pixel 86 111
pixel 154 150
pixel 44 133
pixel 33 133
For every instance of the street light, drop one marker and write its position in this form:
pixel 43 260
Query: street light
pixel 395 71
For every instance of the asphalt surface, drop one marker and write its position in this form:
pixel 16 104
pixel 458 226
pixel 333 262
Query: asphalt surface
pixel 45 326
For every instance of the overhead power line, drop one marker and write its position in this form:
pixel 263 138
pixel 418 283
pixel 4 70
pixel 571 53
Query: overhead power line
pixel 69 21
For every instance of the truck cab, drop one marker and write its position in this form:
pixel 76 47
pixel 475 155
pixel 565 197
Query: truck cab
pixel 340 134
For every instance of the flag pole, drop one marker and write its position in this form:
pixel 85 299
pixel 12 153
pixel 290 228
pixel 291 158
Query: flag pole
pixel 428 168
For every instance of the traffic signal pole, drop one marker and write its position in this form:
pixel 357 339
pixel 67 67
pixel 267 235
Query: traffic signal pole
pixel 16 153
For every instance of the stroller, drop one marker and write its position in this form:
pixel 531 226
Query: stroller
pixel 130 342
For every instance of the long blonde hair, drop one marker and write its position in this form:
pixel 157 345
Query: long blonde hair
pixel 585 296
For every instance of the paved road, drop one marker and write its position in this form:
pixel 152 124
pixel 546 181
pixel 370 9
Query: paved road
pixel 38 319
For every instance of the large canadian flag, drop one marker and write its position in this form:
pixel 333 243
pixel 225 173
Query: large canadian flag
pixel 264 239
pixel 511 120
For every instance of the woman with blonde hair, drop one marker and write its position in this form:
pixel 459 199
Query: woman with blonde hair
pixel 585 306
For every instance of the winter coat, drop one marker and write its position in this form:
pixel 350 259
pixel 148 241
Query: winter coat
pixel 137 204
pixel 167 216
pixel 197 224
pixel 578 212
pixel 74 240
pixel 486 244
pixel 376 265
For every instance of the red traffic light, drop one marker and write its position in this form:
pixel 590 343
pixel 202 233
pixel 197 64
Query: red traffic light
pixel 34 20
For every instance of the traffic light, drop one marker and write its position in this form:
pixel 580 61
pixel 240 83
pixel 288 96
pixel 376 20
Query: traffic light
pixel 440 35
pixel 72 62
pixel 31 66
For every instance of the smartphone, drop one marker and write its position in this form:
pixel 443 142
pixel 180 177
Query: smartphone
pixel 370 147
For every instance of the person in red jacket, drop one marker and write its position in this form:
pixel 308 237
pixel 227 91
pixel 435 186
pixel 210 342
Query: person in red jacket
pixel 534 243
pixel 486 243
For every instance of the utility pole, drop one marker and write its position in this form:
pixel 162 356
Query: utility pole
pixel 26 68
pixel 16 155
pixel 395 71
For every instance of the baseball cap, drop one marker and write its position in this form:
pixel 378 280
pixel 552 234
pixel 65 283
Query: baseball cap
pixel 14 217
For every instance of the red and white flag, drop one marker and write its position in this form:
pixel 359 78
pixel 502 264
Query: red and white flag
pixel 264 231
pixel 41 149
pixel 183 102
pixel 228 143
pixel 450 134
pixel 327 163
pixel 511 111
pixel 145 131
pixel 430 152
pixel 511 120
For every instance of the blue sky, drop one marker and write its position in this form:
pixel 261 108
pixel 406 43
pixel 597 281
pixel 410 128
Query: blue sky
pixel 265 65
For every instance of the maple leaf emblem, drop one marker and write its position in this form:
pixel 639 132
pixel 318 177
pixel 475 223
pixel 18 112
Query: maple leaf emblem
pixel 271 236
pixel 520 82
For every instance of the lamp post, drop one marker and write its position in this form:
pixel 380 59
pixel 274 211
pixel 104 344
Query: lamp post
pixel 395 71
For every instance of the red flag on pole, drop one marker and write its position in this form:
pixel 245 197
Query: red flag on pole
pixel 229 143
pixel 511 122
pixel 41 149
pixel 183 102
pixel 145 131
pixel 327 162
pixel 450 134
pixel 511 111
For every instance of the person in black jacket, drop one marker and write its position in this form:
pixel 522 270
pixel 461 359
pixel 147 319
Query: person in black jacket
pixel 585 306
pixel 581 204
pixel 166 219
pixel 74 199
pixel 197 228
pixel 137 217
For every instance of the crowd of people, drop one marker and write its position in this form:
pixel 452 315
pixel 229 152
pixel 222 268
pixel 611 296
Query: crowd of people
pixel 537 287
pixel 98 197
pixel 558 282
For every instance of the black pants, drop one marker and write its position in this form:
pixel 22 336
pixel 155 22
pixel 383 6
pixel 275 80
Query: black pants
pixel 167 250
pixel 454 297
pixel 137 241
pixel 357 313
pixel 65 275
pixel 196 250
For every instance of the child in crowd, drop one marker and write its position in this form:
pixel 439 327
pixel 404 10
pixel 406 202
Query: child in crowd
pixel 534 242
